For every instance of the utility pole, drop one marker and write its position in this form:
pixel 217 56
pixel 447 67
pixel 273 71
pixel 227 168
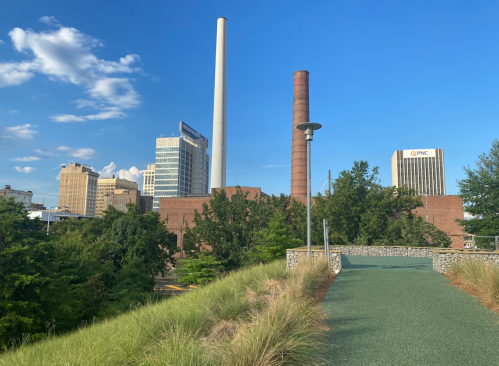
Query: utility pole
pixel 329 180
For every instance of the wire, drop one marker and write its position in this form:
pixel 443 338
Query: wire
pixel 46 194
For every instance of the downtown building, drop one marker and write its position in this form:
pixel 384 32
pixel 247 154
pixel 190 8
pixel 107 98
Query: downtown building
pixel 24 197
pixel 78 189
pixel 182 165
pixel 106 186
pixel 422 170
pixel 148 180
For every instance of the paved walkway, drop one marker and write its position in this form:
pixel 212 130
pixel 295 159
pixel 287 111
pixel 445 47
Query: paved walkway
pixel 398 311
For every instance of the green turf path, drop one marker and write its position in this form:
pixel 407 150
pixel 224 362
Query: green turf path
pixel 398 311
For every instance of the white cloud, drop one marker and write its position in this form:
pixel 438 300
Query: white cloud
pixel 45 153
pixel 133 174
pixel 27 158
pixel 58 176
pixel 274 166
pixel 66 54
pixel 1 42
pixel 85 153
pixel 63 148
pixel 21 131
pixel 26 169
pixel 50 20
pixel 13 111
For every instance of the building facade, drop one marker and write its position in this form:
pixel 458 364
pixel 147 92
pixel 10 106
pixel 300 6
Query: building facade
pixel 182 165
pixel 422 170
pixel 146 203
pixel 78 189
pixel 106 186
pixel 121 197
pixel 19 196
pixel 148 180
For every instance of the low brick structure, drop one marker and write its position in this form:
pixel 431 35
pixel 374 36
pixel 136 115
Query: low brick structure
pixel 384 251
pixel 443 212
pixel 294 256
pixel 444 259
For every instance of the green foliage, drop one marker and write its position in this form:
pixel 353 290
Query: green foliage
pixel 480 194
pixel 201 270
pixel 275 239
pixel 230 227
pixel 361 211
pixel 84 270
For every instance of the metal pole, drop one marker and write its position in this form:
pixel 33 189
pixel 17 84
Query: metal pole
pixel 473 240
pixel 48 222
pixel 426 207
pixel 497 242
pixel 324 223
pixel 309 203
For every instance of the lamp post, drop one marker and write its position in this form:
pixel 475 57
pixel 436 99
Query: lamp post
pixel 48 221
pixel 309 128
pixel 426 195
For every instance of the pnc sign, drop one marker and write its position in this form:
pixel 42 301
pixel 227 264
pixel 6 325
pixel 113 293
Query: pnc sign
pixel 428 153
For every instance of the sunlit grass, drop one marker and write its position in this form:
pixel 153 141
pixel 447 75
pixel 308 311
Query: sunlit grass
pixel 262 315
pixel 479 277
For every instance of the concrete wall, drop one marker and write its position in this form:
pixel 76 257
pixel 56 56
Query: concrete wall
pixel 444 259
pixel 294 256
pixel 384 251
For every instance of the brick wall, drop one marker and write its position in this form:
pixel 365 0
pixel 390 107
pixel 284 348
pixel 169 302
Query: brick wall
pixel 443 212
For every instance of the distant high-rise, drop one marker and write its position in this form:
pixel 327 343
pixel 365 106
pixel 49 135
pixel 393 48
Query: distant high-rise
pixel 108 186
pixel 78 189
pixel 148 180
pixel 182 165
pixel 422 170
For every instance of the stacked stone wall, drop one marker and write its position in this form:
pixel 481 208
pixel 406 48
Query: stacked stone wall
pixel 444 259
pixel 294 256
pixel 388 251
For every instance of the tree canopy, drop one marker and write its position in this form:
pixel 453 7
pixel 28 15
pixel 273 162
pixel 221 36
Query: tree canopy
pixel 480 193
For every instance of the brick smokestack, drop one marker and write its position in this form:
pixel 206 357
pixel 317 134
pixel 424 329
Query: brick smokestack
pixel 299 148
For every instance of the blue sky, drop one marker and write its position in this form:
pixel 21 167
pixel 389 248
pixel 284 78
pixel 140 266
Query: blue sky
pixel 96 82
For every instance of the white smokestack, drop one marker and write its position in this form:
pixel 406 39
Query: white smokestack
pixel 219 141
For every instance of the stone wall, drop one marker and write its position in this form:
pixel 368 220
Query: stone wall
pixel 444 259
pixel 384 251
pixel 294 256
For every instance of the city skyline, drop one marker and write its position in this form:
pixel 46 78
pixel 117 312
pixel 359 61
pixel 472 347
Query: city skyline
pixel 380 76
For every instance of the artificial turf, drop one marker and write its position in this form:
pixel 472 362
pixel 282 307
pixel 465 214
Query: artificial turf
pixel 398 311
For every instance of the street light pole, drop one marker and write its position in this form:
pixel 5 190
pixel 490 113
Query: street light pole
pixel 48 221
pixel 309 128
pixel 427 237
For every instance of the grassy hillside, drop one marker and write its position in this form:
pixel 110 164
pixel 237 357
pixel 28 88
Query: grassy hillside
pixel 258 316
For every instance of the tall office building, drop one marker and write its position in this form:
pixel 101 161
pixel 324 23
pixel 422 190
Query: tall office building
pixel 78 189
pixel 108 186
pixel 182 165
pixel 148 180
pixel 422 170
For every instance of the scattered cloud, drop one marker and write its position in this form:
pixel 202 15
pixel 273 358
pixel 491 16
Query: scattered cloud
pixel 84 154
pixel 50 20
pixel 1 42
pixel 133 174
pixel 45 153
pixel 274 166
pixel 79 153
pixel 27 158
pixel 13 111
pixel 58 176
pixel 26 169
pixel 66 54
pixel 21 131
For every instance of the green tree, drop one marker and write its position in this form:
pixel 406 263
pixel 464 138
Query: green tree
pixel 275 239
pixel 480 194
pixel 201 270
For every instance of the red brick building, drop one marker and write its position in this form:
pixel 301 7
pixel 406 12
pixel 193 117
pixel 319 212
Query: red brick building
pixel 179 211
pixel 443 212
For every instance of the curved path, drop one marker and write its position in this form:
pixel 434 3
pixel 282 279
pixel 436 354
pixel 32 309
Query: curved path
pixel 398 311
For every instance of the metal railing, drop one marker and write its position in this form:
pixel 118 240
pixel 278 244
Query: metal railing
pixel 474 243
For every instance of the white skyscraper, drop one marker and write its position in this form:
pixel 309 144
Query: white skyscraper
pixel 182 165
pixel 148 180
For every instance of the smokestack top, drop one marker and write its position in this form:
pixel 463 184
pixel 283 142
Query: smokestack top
pixel 300 71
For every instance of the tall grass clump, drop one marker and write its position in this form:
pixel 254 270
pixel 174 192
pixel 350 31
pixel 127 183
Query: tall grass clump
pixel 479 277
pixel 262 315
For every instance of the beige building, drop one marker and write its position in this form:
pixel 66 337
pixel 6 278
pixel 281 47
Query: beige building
pixel 78 189
pixel 121 197
pixel 148 180
pixel 422 170
pixel 106 186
